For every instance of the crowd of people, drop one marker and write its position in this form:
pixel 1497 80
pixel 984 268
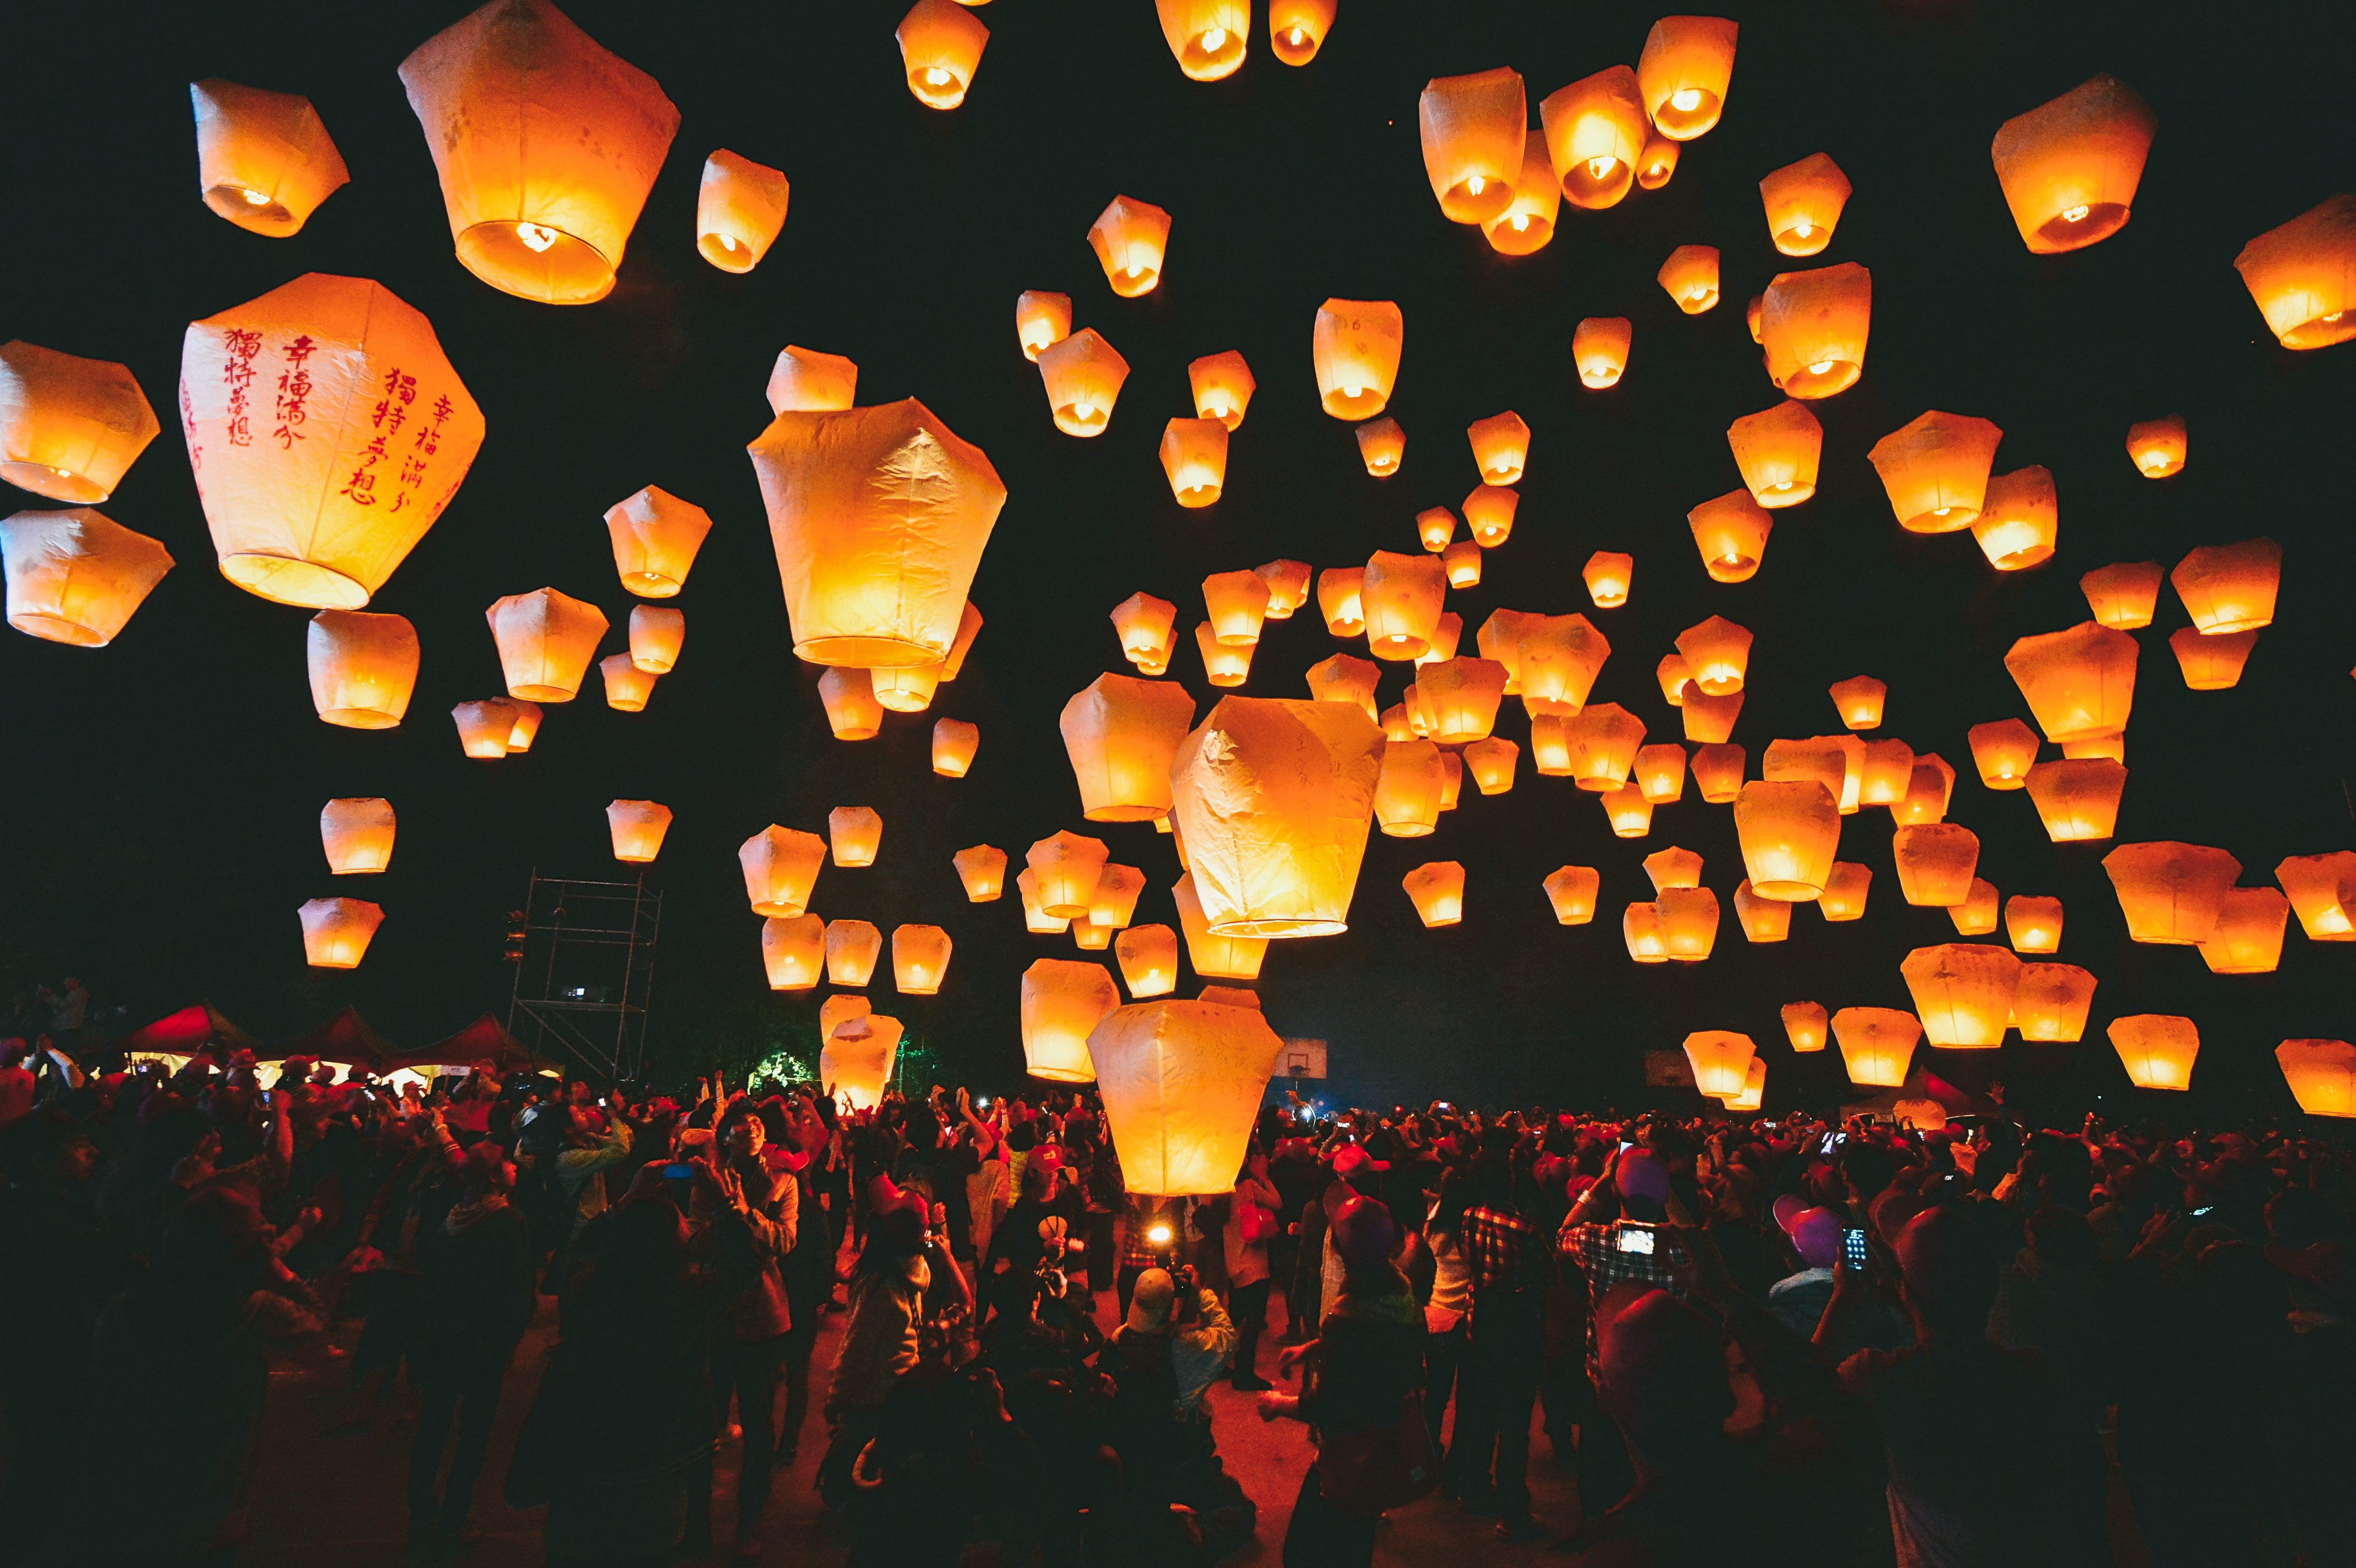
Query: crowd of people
pixel 1750 1339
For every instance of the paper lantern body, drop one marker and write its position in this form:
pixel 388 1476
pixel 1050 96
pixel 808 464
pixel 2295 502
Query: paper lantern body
pixel 1297 29
pixel 1859 702
pixel 1501 447
pixel 1640 928
pixel 2157 447
pixel 1717 773
pixel 1400 597
pixel 1223 958
pixel 1145 625
pixel 1789 833
pixel 2077 799
pixel 1660 773
pixel 1223 663
pixel 2019 519
pixel 807 381
pixel 1066 868
pixel 1845 889
pixel 1720 1059
pixel 2033 924
pixel 1822 759
pixel 878 516
pixel 954 744
pixel 2123 597
pixel 1526 225
pixel 1963 992
pixel 2314 883
pixel 1207 36
pixel 628 688
pixel 1731 534
pixel 1083 374
pixel 1556 660
pixel 2003 751
pixel 2171 891
pixel 1710 720
pixel 546 145
pixel 1935 862
pixel 1355 347
pixel 2321 1074
pixel 793 951
pixel 982 869
pixel 1194 457
pixel 1885 774
pixel 356 834
pixel 2156 1049
pixel 1062 1001
pixel 1149 960
pixel 2049 1002
pixel 1599 346
pixel 1672 868
pixel 1778 452
pixel 1343 678
pixel 1718 652
pixel 2080 683
pixel 1288 587
pixel 1690 277
pixel 853 834
pixel 1042 319
pixel 1222 385
pixel 363 668
pixel 70 427
pixel 2248 936
pixel 1492 762
pixel 1608 575
pixel 638 828
pixel 2069 168
pixel 2113 747
pixel 1763 920
pixel 2303 276
pixel 780 867
pixel 1683 73
pixel 853 948
pixel 1595 134
pixel 1572 891
pixel 264 160
pixel 1814 327
pixel 1274 797
pixel 484 728
pixel 656 637
pixel 1437 889
pixel 1630 813
pixel 1472 128
pixel 1114 903
pixel 656 536
pixel 1804 202
pixel 336 932
pixel 546 640
pixel 1341 599
pixel 327 433
pixel 1656 163
pixel 1489 514
pixel 852 713
pixel 1599 744
pixel 1877 1044
pixel 740 210
pixel 1688 923
pixel 1237 602
pixel 1462 694
pixel 1182 1084
pixel 940 49
pixel 2231 587
pixel 1935 469
pixel 76 576
pixel 2212 663
pixel 1382 446
pixel 1130 238
pixel 1408 789
pixel 859 1058
pixel 1805 1025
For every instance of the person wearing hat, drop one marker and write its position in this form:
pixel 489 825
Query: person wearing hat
pixel 1173 1342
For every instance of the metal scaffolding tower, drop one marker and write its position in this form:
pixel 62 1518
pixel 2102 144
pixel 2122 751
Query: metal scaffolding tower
pixel 584 971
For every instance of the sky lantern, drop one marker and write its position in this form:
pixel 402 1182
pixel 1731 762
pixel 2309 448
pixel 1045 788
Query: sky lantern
pixel 2124 596
pixel 1847 887
pixel 1500 638
pixel 2230 587
pixel 336 932
pixel 1660 773
pixel 1437 889
pixel 1754 1078
pixel 1062 1000
pixel 1274 797
pixel 1720 1059
pixel 2171 891
pixel 1630 813
pixel 940 49
pixel 2156 1049
pixel 1382 446
pixel 1501 447
pixel 484 726
pixel 793 951
pixel 1462 561
pixel 1238 601
pixel 1400 597
pixel 2210 663
pixel 1224 664
pixel 2069 168
pixel 1355 346
pixel 954 744
pixel 1821 759
pixel 1718 651
pixel 1805 1025
pixel 1599 346
pixel 1558 658
pixel 1067 867
pixel 1406 789
pixel 1083 374
pixel 1675 678
pixel 2077 799
pixel 2080 683
pixel 1885 775
pixel 2321 1074
pixel 1472 128
pixel 1710 720
pixel 2019 519
pixel 1213 956
pixel 1717 773
pixel 780 867
pixel 2248 936
pixel 638 828
pixel 1130 237
pixel 1526 225
pixel 1452 780
pixel 1859 700
pixel 2033 924
pixel 1297 29
pixel 1288 587
pixel 1789 832
pixel 1208 37
pixel 76 576
pixel 546 640
pixel 1935 469
pixel 1683 73
pixel 1608 575
pixel 810 381
pixel 628 688
pixel 2315 884
pixel 264 160
pixel 1462 695
pixel 1042 318
pixel 1194 456
pixel 1935 862
pixel 1149 960
pixel 70 427
pixel 1731 534
pixel 2158 446
pixel 2003 751
pixel 1804 202
pixel 1114 904
pixel 546 145
pixel 858 1058
pixel 1963 992
pixel 1489 513
pixel 981 869
pixel 1814 327
pixel 852 834
pixel 1672 868
pixel 2113 747
pixel 1145 625
pixel 1492 760
pixel 1572 891
pixel 878 516
pixel 363 668
pixel 2049 1002
pixel 1877 1044
pixel 1778 452
pixel 852 713
pixel 853 948
pixel 2303 276
pixel 1602 743
pixel 527 717
pixel 1121 734
pixel 1640 928
pixel 1656 163
pixel 356 834
pixel 1595 131
pixel 655 638
pixel 656 536
pixel 1690 277
pixel 1222 385
pixel 1341 597
pixel 323 519
pixel 1182 1082
pixel 1763 920
pixel 740 210
pixel 1344 678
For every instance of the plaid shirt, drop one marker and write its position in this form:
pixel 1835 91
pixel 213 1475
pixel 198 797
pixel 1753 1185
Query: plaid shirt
pixel 1595 1249
pixel 1495 1240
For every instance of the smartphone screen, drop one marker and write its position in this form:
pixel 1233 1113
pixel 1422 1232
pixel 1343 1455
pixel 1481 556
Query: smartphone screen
pixel 678 1171
pixel 1853 1245
pixel 1636 1240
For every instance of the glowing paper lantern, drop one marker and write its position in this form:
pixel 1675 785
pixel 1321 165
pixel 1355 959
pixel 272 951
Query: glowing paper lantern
pixel 852 713
pixel 2231 587
pixel 2321 1074
pixel 1718 652
pixel 1182 1084
pixel 858 1060
pixel 656 536
pixel 1501 447
pixel 1558 658
pixel 484 726
pixel 1752 309
pixel 1438 891
pixel 1710 720
pixel 2248 936
pixel 1083 374
pixel 982 870
pixel 1500 638
pixel 1462 561
pixel 336 932
pixel 1208 38
pixel 1066 868
pixel 1778 452
pixel 2210 663
pixel 1297 29
pixel 1114 903
pixel 1472 128
pixel 1406 789
pixel 1599 346
pixel 1062 1000
pixel 878 517
pixel 1238 601
pixel 1640 929
pixel 1595 132
pixel 1804 202
pixel 1572 891
pixel 2077 799
pixel 740 210
pixel 70 427
pixel 1720 1059
pixel 2303 276
pixel 1656 163
pixel 1526 225
pixel 655 638
pixel 1130 237
pixel 954 744
pixel 2019 519
pixel 2003 751
pixel 628 688
pixel 1763 920
pixel 1145 625
pixel 2049 1002
pixel 1344 679
pixel 1489 513
pixel 2069 168
pixel 1608 575
pixel 1341 600
pixel 793 951
pixel 1601 742
pixel 1222 385
pixel 1660 773
pixel 1814 327
pixel 2113 747
pixel 526 726
pixel 1805 1025
pixel 1690 277
pixel 1149 960
pixel 1288 587
pixel 1683 74
pixel 1672 868
pixel 780 867
pixel 853 833
pixel 363 668
pixel 2080 683
pixel 264 160
pixel 1355 346
pixel 638 828
pixel 1042 319
pixel 1860 700
pixel 940 49
pixel 1877 1044
pixel 1400 597
pixel 1717 773
pixel 1731 534
pixel 546 145
pixel 1382 446
pixel 1845 889
pixel 1194 457
pixel 76 576
pixel 2158 446
pixel 1789 832
pixel 1223 663
pixel 2315 884
pixel 1823 760
pixel 1223 958
pixel 2033 924
pixel 1462 695
pixel 1935 862
pixel 1630 813
pixel 805 380
pixel 1885 774
pixel 2171 891
pixel 546 640
pixel 1963 992
pixel 2123 597
pixel 2156 1049
pixel 1935 469
pixel 853 946
pixel 356 834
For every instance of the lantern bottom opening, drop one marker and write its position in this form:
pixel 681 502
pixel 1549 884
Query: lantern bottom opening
pixel 57 484
pixel 1063 1074
pixel 363 718
pixel 1791 242
pixel 1508 240
pixel 543 694
pixel 729 252
pixel 1278 928
pixel 536 261
pixel 2321 331
pixel 1940 520
pixel 2075 228
pixel 286 580
pixel 868 653
pixel 1791 893
pixel 650 584
pixel 1783 493
pixel 55 629
pixel 249 210
pixel 1809 383
pixel 1365 405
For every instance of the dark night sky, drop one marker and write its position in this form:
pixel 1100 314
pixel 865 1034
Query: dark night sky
pixel 163 794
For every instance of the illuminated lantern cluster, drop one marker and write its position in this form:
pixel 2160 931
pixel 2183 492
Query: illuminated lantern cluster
pixel 264 160
pixel 1145 625
pixel 2302 275
pixel 76 576
pixel 2070 168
